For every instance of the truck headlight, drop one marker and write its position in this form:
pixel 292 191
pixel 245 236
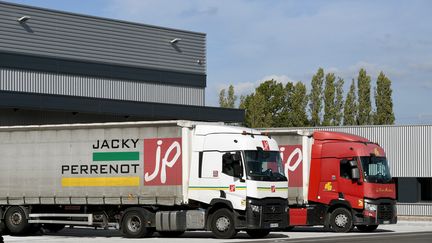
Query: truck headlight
pixel 255 208
pixel 370 207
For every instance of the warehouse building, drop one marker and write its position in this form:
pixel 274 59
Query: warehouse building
pixel 59 67
pixel 409 152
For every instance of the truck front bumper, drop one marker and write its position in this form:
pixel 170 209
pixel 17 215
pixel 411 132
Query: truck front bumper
pixel 384 212
pixel 269 213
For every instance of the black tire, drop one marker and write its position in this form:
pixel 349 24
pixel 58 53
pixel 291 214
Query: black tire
pixel 16 221
pixel 3 229
pixel 222 224
pixel 258 233
pixel 53 228
pixel 341 220
pixel 367 228
pixel 289 228
pixel 170 234
pixel 134 225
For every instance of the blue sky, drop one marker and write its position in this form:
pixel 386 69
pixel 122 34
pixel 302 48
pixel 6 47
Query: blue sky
pixel 251 41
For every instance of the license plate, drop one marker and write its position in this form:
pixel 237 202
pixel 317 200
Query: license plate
pixel 274 225
pixel 386 222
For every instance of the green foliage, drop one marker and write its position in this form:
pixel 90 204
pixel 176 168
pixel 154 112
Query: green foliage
pixel 298 102
pixel 256 114
pixel 315 97
pixel 339 103
pixel 229 100
pixel 364 116
pixel 329 100
pixel 350 107
pixel 275 105
pixel 383 101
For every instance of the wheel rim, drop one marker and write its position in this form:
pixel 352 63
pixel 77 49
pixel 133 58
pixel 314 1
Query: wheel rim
pixel 134 224
pixel 222 224
pixel 341 220
pixel 16 218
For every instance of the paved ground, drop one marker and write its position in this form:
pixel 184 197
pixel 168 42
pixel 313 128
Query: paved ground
pixel 404 231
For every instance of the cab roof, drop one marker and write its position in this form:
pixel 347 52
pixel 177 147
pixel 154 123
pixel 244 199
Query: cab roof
pixel 327 135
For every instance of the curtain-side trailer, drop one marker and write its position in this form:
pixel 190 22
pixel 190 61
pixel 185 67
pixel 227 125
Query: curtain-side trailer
pixel 142 177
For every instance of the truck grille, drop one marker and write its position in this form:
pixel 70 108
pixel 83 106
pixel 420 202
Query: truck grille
pixel 272 213
pixel 385 212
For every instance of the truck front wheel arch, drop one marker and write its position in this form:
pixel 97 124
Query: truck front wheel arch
pixel 215 205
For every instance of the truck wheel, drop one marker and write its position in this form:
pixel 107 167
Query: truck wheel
pixel 289 228
pixel 135 225
pixel 16 221
pixel 258 233
pixel 367 228
pixel 170 234
pixel 341 220
pixel 53 228
pixel 222 224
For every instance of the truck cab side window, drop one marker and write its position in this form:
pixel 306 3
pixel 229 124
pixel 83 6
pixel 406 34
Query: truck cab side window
pixel 231 164
pixel 345 168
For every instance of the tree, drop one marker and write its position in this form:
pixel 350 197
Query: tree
pixel 350 107
pixel 273 93
pixel 299 100
pixel 383 101
pixel 315 97
pixel 364 98
pixel 256 114
pixel 229 101
pixel 339 103
pixel 329 100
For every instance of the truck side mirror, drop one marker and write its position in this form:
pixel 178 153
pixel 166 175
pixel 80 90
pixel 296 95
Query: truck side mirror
pixel 236 157
pixel 353 163
pixel 238 170
pixel 355 173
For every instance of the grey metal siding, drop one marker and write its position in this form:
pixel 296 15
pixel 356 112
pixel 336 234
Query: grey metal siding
pixel 94 87
pixel 67 35
pixel 408 148
pixel 415 209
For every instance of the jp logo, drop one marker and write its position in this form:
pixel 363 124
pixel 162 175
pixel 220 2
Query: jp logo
pixel 289 165
pixel 293 163
pixel 163 161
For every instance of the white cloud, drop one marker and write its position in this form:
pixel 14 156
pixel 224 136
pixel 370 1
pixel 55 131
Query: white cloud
pixel 373 69
pixel 245 88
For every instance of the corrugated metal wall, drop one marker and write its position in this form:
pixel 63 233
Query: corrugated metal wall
pixel 408 148
pixel 63 84
pixel 415 209
pixel 67 35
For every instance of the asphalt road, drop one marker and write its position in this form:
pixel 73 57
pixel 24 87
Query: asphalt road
pixel 402 232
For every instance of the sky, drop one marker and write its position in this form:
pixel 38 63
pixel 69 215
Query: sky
pixel 256 40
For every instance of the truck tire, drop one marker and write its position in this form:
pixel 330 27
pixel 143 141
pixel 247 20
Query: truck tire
pixel 170 234
pixel 16 221
pixel 134 225
pixel 341 220
pixel 222 224
pixel 367 228
pixel 258 233
pixel 289 228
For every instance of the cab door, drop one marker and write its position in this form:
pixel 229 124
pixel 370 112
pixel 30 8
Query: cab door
pixel 232 177
pixel 350 187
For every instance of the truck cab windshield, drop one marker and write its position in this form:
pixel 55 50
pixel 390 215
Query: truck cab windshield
pixel 264 166
pixel 375 169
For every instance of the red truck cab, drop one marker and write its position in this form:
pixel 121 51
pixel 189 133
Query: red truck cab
pixel 338 180
pixel 350 172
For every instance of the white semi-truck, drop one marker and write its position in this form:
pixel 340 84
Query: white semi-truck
pixel 142 177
